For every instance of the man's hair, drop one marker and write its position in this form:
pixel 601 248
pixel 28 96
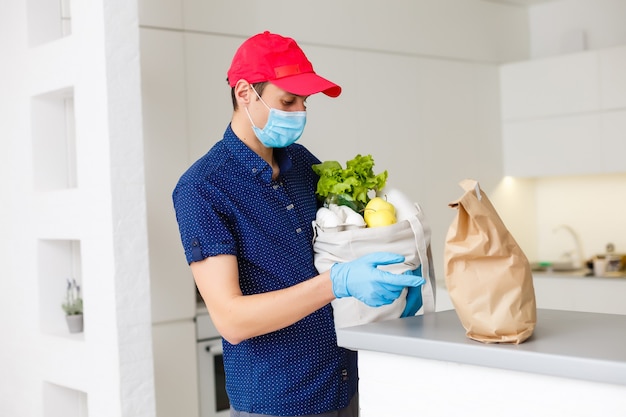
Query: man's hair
pixel 259 87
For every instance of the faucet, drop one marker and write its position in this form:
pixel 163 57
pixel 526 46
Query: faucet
pixel 579 247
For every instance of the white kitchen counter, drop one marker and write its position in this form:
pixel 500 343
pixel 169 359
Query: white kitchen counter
pixel 587 346
pixel 575 363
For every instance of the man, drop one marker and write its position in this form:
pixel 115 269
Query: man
pixel 244 211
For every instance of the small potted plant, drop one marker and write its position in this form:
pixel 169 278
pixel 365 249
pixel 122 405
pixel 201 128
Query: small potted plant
pixel 73 307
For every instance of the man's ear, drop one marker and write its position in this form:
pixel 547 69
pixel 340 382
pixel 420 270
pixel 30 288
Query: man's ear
pixel 243 92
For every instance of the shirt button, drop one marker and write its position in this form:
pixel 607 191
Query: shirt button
pixel 299 230
pixel 276 186
pixel 289 207
pixel 254 170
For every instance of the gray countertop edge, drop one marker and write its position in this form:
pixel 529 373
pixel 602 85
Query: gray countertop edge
pixel 395 337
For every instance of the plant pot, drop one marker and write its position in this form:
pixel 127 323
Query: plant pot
pixel 75 323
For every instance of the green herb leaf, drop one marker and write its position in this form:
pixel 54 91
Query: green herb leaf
pixel 349 186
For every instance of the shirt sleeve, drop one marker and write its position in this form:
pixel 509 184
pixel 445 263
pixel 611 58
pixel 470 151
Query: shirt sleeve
pixel 203 222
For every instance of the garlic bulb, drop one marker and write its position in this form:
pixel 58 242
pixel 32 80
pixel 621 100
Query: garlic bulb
pixel 326 218
pixel 353 218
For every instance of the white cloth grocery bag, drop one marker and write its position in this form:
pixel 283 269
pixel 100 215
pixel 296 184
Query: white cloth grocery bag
pixel 409 237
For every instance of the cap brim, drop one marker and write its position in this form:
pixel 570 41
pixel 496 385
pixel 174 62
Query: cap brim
pixel 307 84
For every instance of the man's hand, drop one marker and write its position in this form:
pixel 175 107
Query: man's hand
pixel 414 296
pixel 362 279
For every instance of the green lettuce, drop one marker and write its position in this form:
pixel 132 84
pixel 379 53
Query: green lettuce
pixel 349 186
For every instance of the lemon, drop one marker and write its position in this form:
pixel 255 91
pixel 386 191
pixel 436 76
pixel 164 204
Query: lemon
pixel 379 212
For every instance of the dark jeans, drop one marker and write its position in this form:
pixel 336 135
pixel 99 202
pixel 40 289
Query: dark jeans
pixel 352 410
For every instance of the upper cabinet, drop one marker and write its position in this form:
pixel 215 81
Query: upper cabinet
pixel 612 64
pixel 565 115
pixel 550 87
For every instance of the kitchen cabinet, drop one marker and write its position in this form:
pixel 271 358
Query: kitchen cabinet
pixel 550 87
pixel 166 157
pixel 591 143
pixel 560 291
pixel 612 64
pixel 565 115
pixel 175 369
pixel 576 293
pixel 553 146
pixel 613 139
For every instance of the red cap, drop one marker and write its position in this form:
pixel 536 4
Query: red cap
pixel 279 60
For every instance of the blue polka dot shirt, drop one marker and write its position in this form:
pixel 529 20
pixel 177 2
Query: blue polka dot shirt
pixel 227 203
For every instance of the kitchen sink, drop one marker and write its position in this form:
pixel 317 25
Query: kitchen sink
pixel 554 266
pixel 560 268
pixel 581 272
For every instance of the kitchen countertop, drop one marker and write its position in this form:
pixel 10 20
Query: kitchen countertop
pixel 581 273
pixel 568 344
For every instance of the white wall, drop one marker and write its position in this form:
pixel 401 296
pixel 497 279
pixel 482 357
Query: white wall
pixel 592 205
pixel 420 95
pixel 515 199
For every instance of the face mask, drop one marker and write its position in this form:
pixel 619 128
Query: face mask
pixel 282 128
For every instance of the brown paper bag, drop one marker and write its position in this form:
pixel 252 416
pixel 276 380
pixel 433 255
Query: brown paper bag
pixel 488 277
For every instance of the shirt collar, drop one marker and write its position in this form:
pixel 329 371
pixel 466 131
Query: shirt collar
pixel 253 163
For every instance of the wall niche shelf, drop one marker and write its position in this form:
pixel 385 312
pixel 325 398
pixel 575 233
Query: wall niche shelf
pixel 59 401
pixel 58 260
pixel 47 21
pixel 54 142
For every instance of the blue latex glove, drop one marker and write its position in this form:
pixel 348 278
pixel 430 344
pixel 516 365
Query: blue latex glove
pixel 362 279
pixel 414 295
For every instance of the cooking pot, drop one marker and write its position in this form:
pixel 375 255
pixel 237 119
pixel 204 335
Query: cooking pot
pixel 609 264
